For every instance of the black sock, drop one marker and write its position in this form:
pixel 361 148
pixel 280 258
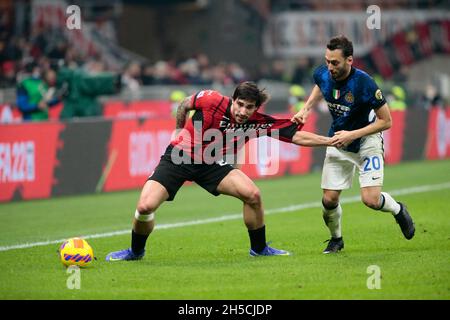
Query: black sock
pixel 138 242
pixel 258 239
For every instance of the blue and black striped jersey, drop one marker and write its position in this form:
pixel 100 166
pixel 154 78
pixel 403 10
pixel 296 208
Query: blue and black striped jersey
pixel 350 101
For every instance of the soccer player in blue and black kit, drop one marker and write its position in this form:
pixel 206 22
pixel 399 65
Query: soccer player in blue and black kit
pixel 360 113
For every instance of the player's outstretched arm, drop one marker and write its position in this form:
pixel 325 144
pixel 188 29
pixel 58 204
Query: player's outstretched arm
pixel 309 139
pixel 182 112
pixel 313 100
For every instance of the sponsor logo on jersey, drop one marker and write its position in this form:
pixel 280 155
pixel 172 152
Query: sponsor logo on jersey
pixel 338 109
pixel 228 126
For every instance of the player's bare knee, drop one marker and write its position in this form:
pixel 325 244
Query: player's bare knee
pixel 146 207
pixel 330 201
pixel 253 197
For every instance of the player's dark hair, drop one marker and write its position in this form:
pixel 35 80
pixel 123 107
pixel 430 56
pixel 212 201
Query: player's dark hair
pixel 341 42
pixel 249 91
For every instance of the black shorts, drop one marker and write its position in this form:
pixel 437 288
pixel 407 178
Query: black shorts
pixel 172 176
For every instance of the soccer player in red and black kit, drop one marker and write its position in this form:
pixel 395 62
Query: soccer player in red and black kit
pixel 187 159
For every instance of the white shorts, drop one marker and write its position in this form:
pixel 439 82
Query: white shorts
pixel 339 166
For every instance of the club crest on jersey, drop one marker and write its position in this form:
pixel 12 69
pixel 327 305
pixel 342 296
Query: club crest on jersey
pixel 349 97
pixel 336 94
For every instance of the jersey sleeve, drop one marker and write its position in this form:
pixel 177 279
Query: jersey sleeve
pixel 373 96
pixel 285 129
pixel 318 74
pixel 206 99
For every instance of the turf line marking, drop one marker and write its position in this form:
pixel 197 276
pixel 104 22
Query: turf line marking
pixel 303 206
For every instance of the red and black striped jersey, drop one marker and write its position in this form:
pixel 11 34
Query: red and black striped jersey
pixel 213 128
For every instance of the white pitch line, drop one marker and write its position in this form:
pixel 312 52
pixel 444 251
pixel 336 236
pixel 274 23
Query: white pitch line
pixel 296 207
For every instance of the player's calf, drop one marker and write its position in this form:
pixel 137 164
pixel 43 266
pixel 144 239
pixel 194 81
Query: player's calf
pixel 372 202
pixel 332 218
pixel 371 197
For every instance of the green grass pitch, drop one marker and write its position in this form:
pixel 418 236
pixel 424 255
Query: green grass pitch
pixel 211 261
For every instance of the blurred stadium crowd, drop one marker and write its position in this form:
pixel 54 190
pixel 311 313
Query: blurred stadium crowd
pixel 19 55
pixel 43 50
pixel 33 54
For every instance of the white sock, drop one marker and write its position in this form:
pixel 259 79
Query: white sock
pixel 332 219
pixel 389 205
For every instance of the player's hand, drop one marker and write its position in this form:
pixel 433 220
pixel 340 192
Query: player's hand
pixel 301 116
pixel 332 141
pixel 343 138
